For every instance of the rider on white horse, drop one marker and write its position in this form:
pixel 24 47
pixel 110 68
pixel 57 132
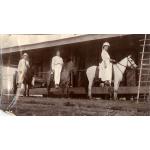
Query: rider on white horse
pixel 56 65
pixel 105 67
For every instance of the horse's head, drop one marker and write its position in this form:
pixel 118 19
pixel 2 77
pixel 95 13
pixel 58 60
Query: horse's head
pixel 70 66
pixel 130 62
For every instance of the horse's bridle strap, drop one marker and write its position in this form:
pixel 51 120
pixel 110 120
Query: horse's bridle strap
pixel 124 65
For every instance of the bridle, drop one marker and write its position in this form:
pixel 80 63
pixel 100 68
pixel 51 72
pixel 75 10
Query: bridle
pixel 128 60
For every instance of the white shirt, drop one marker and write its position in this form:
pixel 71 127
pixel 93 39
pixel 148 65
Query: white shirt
pixel 56 60
pixel 23 64
pixel 105 56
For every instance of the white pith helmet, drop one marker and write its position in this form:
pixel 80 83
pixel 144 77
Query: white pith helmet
pixel 106 44
pixel 25 54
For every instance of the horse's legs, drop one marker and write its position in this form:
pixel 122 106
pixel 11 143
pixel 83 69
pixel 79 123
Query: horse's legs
pixel 48 85
pixel 63 90
pixel 15 83
pixel 48 90
pixel 116 86
pixel 67 89
pixel 110 91
pixel 90 77
pixel 90 88
pixel 27 90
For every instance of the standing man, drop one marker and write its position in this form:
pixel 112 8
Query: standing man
pixel 23 66
pixel 56 65
pixel 105 67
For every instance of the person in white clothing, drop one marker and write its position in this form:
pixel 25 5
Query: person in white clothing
pixel 22 67
pixel 56 65
pixel 105 67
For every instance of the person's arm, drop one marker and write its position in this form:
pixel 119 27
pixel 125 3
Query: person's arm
pixel 27 63
pixel 62 61
pixel 113 60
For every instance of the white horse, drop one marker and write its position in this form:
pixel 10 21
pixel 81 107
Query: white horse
pixel 118 69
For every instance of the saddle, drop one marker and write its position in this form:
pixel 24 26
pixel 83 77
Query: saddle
pixel 97 79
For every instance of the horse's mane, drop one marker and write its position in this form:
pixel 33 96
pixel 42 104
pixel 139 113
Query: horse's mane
pixel 122 60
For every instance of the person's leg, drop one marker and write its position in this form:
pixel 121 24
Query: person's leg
pixel 59 73
pixel 100 71
pixel 110 73
pixel 55 75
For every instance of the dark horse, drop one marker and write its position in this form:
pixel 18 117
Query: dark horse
pixel 67 69
pixel 27 81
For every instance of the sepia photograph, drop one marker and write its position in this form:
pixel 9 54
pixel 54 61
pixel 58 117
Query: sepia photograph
pixel 75 74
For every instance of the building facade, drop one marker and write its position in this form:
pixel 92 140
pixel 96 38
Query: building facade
pixel 84 49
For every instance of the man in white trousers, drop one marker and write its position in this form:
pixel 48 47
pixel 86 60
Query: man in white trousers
pixel 22 69
pixel 56 65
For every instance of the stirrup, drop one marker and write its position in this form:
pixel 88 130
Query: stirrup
pixel 107 83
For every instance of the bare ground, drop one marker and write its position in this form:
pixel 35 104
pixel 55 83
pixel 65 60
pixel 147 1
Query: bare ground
pixel 39 106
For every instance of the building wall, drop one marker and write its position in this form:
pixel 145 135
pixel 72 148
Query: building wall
pixel 84 55
pixel 7 77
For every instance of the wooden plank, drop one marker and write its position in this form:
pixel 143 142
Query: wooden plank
pixel 145 59
pixel 143 40
pixel 145 45
pixel 147 69
pixel 145 52
pixel 95 90
pixel 146 74
pixel 146 64
pixel 99 90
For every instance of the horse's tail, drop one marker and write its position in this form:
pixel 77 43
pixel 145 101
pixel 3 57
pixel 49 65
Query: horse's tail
pixel 86 82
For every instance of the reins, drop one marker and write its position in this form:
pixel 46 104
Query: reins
pixel 123 65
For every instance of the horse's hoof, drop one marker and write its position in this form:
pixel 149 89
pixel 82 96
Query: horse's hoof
pixel 90 98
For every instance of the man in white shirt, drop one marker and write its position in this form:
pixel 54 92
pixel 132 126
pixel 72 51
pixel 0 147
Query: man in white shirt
pixel 56 65
pixel 105 67
pixel 22 67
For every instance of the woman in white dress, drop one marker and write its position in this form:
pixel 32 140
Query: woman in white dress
pixel 105 67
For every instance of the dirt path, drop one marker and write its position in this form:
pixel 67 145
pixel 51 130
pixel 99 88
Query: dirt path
pixel 81 107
